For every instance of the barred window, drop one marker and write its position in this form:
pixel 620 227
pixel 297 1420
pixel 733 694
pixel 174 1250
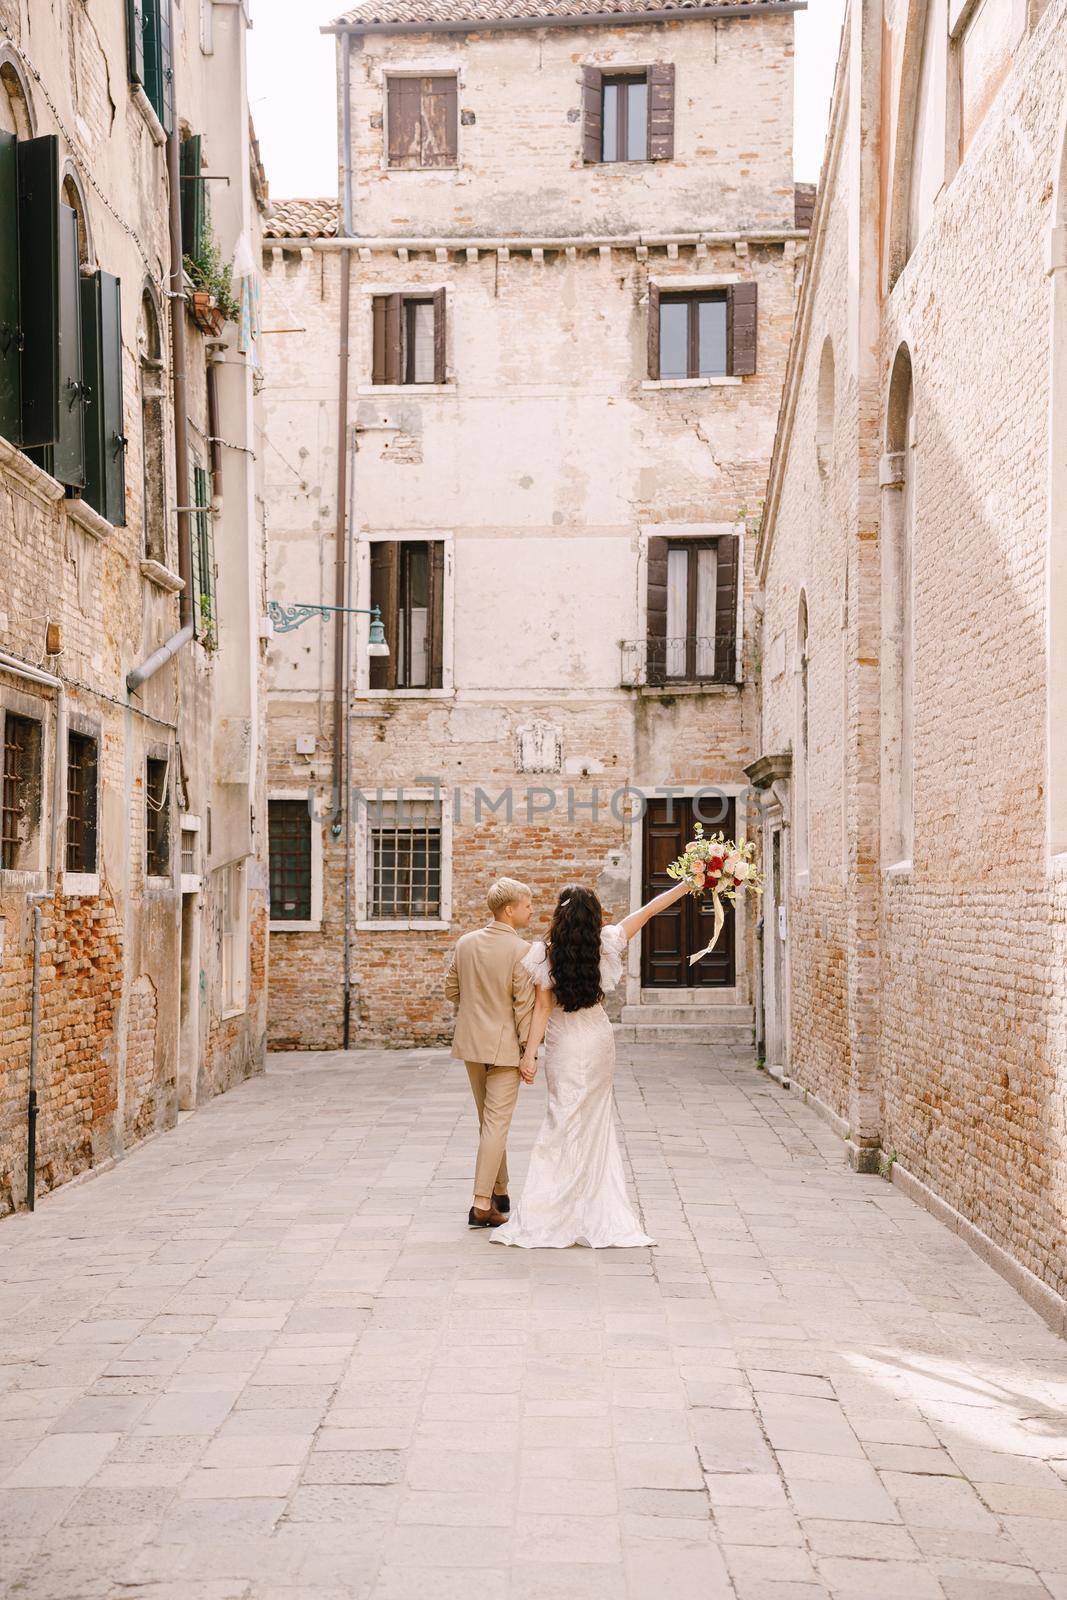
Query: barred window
pixel 289 830
pixel 157 818
pixel 20 797
pixel 404 869
pixel 81 802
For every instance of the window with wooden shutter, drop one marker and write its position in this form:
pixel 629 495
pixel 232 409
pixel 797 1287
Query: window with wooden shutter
pixel 194 197
pixel 205 615
pixel 409 338
pixel 10 316
pixel 407 584
pixel 158 48
pixel 68 461
pixel 39 261
pixel 702 333
pixel 691 610
pixel 624 118
pixel 422 119
pixel 742 329
pixel 135 41
pixel 592 114
pixel 105 439
pixel 661 111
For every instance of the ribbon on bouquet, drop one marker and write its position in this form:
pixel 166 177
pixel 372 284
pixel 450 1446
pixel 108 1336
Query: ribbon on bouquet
pixel 720 918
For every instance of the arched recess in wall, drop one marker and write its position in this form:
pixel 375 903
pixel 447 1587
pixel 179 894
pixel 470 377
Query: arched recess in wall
pixel 1056 607
pixel 16 104
pixel 151 375
pixel 824 409
pixel 897 478
pixel 920 145
pixel 73 194
pixel 801 727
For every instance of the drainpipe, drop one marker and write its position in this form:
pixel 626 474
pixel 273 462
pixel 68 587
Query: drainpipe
pixel 179 640
pixel 342 564
pixel 21 669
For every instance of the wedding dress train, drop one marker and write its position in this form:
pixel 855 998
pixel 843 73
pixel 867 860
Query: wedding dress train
pixel 575 1190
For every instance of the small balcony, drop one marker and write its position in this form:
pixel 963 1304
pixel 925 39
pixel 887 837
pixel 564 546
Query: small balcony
pixel 686 664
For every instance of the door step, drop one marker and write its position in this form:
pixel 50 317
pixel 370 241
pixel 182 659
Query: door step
pixel 686 1024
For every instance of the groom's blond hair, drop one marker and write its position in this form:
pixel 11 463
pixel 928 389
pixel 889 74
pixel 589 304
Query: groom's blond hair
pixel 504 892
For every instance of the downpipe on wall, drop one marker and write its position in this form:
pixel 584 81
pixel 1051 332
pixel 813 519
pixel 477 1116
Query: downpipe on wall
pixel 345 524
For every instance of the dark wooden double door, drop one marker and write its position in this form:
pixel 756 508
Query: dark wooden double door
pixel 686 927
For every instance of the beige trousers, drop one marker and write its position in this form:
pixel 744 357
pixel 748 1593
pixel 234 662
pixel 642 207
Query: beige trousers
pixel 495 1091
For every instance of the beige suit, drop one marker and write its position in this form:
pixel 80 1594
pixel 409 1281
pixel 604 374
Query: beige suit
pixel 495 998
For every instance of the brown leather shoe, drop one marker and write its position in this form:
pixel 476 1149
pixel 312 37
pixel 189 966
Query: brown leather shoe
pixel 485 1219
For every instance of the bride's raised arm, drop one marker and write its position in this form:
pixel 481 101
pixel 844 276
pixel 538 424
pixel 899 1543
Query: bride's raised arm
pixel 637 919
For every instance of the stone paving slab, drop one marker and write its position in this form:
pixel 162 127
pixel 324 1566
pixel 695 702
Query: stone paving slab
pixel 264 1359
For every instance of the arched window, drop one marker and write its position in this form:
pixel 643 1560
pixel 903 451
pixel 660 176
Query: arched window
pixel 824 409
pixel 920 153
pixel 898 540
pixel 801 725
pixel 16 113
pixel 150 363
pixel 1056 607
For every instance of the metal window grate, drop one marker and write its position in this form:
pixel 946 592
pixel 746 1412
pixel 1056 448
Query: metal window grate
pixel 157 818
pixel 405 860
pixel 81 802
pixel 189 836
pixel 289 832
pixel 20 743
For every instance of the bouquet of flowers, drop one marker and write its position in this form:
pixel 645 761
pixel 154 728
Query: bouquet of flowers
pixel 721 865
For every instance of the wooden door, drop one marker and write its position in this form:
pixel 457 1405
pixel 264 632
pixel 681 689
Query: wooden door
pixel 670 939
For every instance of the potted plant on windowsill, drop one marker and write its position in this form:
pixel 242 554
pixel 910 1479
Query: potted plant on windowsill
pixel 212 301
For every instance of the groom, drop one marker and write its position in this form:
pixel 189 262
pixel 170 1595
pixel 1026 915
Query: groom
pixel 494 995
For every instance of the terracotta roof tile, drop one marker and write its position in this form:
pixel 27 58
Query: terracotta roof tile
pixel 382 13
pixel 302 219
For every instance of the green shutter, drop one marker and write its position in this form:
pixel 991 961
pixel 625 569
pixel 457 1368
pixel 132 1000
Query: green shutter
pixel 193 197
pixel 38 191
pixel 205 617
pixel 134 41
pixel 159 60
pixel 105 443
pixel 69 464
pixel 10 328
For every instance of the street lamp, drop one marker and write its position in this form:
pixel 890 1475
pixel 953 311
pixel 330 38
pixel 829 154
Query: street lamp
pixel 286 618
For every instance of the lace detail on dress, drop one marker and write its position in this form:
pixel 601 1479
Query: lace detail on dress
pixel 612 945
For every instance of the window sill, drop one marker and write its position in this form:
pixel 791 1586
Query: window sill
pixel 233 1011
pixel 669 691
pixel 162 577
pixel 406 388
pixel 723 381
pixel 899 869
pixel 314 926
pixel 90 521
pixel 400 925
pixel 404 694
pixel 432 172
pixel 81 885
pixel 148 112
pixel 20 466
pixel 191 883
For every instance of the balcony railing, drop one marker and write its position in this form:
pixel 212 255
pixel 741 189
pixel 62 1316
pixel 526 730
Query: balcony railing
pixel 690 660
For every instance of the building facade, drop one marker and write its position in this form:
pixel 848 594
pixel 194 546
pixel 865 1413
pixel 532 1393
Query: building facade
pixel 561 278
pixel 912 571
pixel 132 882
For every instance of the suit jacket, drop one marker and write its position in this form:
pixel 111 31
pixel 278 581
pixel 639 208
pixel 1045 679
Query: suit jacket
pixel 494 994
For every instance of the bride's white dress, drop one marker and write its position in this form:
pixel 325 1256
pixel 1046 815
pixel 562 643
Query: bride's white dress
pixel 575 1190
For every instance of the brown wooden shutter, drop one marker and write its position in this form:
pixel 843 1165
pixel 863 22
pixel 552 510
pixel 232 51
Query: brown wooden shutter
pixel 661 111
pixel 592 114
pixel 742 329
pixel 403 114
pixel 656 612
pixel 726 608
pixel 439 113
pixel 437 614
pixel 384 576
pixel 385 358
pixel 440 331
pixel 653 331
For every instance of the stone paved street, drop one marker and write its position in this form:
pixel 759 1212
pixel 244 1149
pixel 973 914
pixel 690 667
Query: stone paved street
pixel 264 1358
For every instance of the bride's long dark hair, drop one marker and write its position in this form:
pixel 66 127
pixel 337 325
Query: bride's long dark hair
pixel 574 948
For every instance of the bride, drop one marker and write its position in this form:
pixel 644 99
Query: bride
pixel 575 1191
